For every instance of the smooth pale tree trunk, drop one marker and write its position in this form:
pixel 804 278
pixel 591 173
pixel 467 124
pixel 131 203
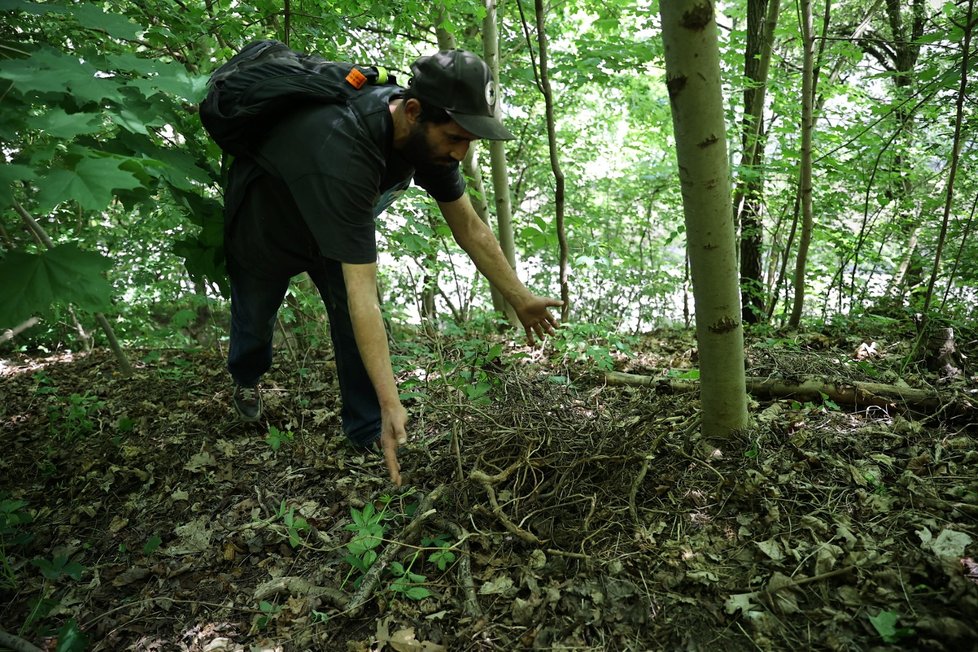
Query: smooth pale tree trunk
pixel 762 19
pixel 470 165
pixel 497 154
pixel 689 32
pixel 805 185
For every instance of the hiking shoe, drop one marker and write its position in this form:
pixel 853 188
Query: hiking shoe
pixel 247 403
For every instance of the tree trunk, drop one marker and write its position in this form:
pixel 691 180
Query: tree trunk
pixel 548 98
pixel 762 18
pixel 497 154
pixel 955 154
pixel 693 79
pixel 805 185
pixel 446 41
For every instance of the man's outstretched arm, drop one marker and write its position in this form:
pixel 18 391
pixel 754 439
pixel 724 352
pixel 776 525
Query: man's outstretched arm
pixel 481 245
pixel 368 328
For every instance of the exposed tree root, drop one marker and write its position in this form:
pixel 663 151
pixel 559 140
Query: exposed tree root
pixel 16 643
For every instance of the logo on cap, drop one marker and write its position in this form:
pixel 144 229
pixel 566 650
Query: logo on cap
pixel 491 94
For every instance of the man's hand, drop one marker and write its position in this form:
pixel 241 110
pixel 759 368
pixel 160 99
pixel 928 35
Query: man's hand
pixel 393 433
pixel 536 318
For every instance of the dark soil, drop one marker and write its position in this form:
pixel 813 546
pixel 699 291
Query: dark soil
pixel 556 513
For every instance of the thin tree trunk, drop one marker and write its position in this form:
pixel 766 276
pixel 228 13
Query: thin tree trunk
pixel 689 33
pixel 761 23
pixel 965 234
pixel 446 41
pixel 543 82
pixel 955 155
pixel 39 231
pixel 805 185
pixel 497 154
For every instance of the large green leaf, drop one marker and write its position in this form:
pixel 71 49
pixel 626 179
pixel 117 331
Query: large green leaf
pixel 33 283
pixel 64 125
pixel 114 25
pixel 50 71
pixel 30 7
pixel 90 184
pixel 10 174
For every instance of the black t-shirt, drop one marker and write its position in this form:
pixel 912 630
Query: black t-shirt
pixel 326 172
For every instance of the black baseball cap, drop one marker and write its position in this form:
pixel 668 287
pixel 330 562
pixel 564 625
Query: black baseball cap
pixel 460 83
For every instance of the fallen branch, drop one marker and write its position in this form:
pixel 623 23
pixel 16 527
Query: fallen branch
pixel 11 333
pixel 854 393
pixel 16 643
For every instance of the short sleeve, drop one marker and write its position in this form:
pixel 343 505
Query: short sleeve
pixel 333 170
pixel 444 184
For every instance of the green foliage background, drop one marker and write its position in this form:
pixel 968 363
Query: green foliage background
pixel 103 149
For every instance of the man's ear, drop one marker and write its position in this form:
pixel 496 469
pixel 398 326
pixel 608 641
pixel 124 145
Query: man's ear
pixel 412 110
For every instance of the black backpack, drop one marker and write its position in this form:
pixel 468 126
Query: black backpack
pixel 266 80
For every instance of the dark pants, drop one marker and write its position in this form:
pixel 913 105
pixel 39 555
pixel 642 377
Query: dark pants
pixel 255 301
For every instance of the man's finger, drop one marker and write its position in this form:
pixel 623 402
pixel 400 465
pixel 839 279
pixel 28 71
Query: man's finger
pixel 390 459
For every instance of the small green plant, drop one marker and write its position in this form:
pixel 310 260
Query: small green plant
pixel 443 556
pixel 13 516
pixel 368 533
pixel 275 437
pixel 294 525
pixel 885 623
pixel 269 611
pixel 407 583
pixel 76 418
pixel 152 544
pixel 596 345
pixel 45 385
pixel 58 567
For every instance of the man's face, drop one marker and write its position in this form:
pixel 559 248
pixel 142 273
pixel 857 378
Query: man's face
pixel 437 144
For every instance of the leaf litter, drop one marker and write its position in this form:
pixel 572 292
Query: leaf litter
pixel 562 515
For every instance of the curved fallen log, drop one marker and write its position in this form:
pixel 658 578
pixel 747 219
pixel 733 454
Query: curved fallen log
pixel 856 394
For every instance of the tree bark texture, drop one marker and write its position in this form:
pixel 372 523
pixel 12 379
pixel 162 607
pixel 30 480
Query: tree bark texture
pixel 497 153
pixel 548 98
pixel 689 33
pixel 805 185
pixel 762 18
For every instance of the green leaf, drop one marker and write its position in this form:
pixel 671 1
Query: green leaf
pixel 10 174
pixel 115 25
pixel 885 624
pixel 417 593
pixel 32 283
pixel 152 544
pixel 90 184
pixel 175 82
pixel 30 7
pixel 50 71
pixel 59 124
pixel 71 639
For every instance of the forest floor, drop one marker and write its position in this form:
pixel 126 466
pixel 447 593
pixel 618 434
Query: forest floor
pixel 543 509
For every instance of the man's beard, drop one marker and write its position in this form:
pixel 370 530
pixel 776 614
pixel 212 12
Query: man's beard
pixel 418 151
